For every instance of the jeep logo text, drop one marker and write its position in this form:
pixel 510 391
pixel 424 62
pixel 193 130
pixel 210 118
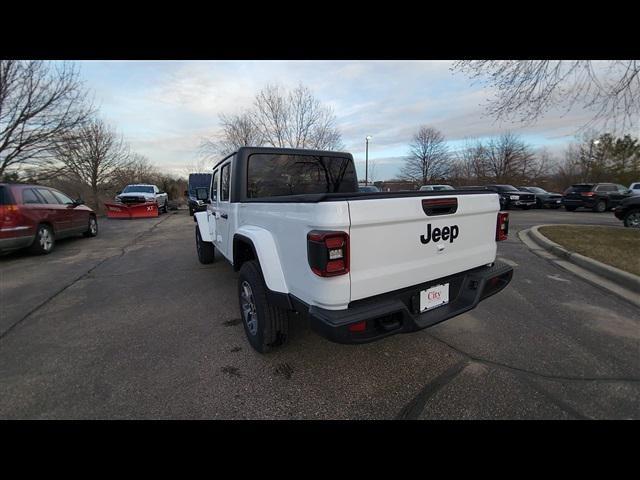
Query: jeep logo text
pixel 437 234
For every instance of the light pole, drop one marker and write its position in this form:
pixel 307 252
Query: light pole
pixel 366 160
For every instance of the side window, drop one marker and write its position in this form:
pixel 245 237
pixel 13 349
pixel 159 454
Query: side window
pixel 29 196
pixel 214 187
pixel 62 198
pixel 48 196
pixel 636 186
pixel 224 183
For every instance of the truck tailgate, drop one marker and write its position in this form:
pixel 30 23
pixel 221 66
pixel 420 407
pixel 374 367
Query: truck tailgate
pixel 387 241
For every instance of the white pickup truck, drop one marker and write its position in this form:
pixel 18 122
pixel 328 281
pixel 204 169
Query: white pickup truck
pixel 360 265
pixel 140 193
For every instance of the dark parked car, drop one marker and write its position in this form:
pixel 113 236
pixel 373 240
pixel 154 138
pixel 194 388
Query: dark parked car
pixel 34 216
pixel 629 211
pixel 544 199
pixel 368 188
pixel 197 180
pixel 511 197
pixel 596 196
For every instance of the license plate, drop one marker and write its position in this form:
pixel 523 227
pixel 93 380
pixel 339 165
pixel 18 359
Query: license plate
pixel 434 297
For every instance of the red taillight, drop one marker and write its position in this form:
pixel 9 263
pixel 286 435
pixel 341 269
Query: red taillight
pixel 328 253
pixel 9 215
pixel 358 327
pixel 502 228
pixel 587 194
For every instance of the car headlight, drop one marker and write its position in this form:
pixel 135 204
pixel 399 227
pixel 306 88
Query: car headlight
pixel 514 197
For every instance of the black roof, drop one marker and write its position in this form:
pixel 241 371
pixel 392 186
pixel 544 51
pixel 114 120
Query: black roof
pixel 244 152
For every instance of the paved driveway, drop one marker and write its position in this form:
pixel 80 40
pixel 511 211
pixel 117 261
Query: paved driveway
pixel 130 325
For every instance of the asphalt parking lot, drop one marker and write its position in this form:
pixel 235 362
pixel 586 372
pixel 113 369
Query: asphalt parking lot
pixel 130 325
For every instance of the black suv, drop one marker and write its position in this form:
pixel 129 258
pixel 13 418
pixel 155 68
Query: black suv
pixel 197 180
pixel 544 199
pixel 511 197
pixel 596 196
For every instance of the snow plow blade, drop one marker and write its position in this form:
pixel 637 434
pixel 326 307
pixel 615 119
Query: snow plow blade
pixel 138 210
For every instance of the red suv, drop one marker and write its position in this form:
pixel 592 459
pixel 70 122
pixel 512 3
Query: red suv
pixel 34 216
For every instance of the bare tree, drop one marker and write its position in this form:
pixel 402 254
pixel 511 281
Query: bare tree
pixel 278 118
pixel 428 158
pixel 526 89
pixel 39 103
pixel 135 169
pixel 507 157
pixel 238 130
pixel 92 155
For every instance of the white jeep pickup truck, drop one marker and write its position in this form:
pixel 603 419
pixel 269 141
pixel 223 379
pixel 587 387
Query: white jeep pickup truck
pixel 360 265
pixel 140 193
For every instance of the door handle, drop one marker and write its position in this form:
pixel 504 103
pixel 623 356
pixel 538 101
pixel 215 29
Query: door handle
pixel 224 215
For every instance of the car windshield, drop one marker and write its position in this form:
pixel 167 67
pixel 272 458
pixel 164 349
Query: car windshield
pixel 536 190
pixel 138 189
pixel 369 188
pixel 506 188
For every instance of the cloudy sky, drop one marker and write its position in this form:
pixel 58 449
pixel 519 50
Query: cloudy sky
pixel 164 108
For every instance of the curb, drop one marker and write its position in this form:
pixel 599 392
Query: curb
pixel 622 278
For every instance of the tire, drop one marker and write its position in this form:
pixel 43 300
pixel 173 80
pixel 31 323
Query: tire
pixel 92 229
pixel 570 209
pixel 166 206
pixel 44 242
pixel 265 325
pixel 632 219
pixel 190 211
pixel 206 250
pixel 600 206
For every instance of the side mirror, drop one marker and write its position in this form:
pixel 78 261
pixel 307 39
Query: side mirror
pixel 78 201
pixel 202 194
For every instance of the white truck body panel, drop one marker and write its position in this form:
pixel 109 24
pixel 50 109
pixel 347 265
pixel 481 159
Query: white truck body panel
pixel 386 252
pixel 385 248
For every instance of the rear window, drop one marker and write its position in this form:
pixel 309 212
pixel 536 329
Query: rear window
pixel 581 188
pixel 198 181
pixel 5 196
pixel 270 175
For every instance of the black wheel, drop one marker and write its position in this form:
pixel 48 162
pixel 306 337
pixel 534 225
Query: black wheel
pixel 632 219
pixel 600 206
pixel 539 203
pixel 265 325
pixel 92 229
pixel 190 211
pixel 44 241
pixel 206 250
pixel 166 206
pixel 570 209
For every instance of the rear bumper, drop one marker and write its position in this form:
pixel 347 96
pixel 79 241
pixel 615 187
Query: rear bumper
pixel 398 312
pixel 15 243
pixel 588 202
pixel 551 202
